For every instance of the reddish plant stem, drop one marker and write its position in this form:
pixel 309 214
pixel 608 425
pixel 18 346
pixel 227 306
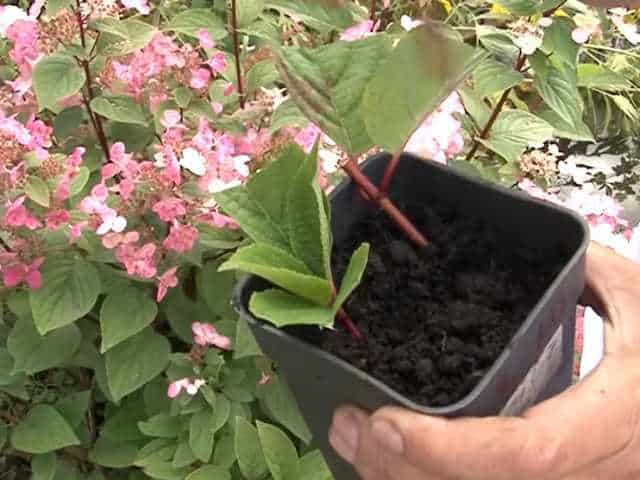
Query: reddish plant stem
pixel 390 171
pixel 494 114
pixel 236 51
pixel 344 316
pixel 381 199
pixel 372 10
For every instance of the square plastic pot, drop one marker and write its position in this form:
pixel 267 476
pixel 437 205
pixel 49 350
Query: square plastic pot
pixel 535 365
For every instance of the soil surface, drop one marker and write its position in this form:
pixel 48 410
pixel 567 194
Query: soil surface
pixel 436 319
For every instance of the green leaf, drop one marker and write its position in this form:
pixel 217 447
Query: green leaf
pixel 251 459
pixel 410 85
pixel 66 122
pixel 279 452
pixel 192 20
pixel 262 74
pixel 558 44
pixel 79 181
pixel 353 275
pixel 156 451
pixel 183 96
pixel 591 75
pixel 123 314
pixel 556 84
pixel 282 269
pixel 70 287
pixel 224 453
pixel 287 115
pixel 492 77
pixel 209 472
pixel 221 413
pixel 308 219
pixel 561 129
pixel 43 430
pixel 313 467
pixel 328 85
pixel 183 456
pixel 475 107
pixel 282 407
pixel 55 6
pixel 34 353
pixel 528 7
pixel 120 108
pixel 7 374
pixel 161 425
pixel 627 108
pixel 37 190
pixel 122 423
pixel 497 42
pixel 121 37
pixel 322 15
pixel 283 309
pixel 43 467
pixel 113 454
pixel 245 344
pixel 513 131
pixel 56 77
pixel 135 137
pixel 136 361
pixel 164 471
pixel 73 407
pixel 201 435
pixel 247 11
pixel 215 288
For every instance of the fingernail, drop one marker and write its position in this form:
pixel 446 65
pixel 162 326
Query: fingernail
pixel 345 435
pixel 388 436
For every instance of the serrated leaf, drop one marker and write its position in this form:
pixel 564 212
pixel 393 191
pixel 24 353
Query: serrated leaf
pixel 123 314
pixel 409 84
pixel 43 467
pixel 249 452
pixel 136 361
pixel 120 108
pixel 201 435
pixel 282 407
pixel 37 190
pixel 279 452
pixel 283 309
pixel 514 131
pixel 113 454
pixel 282 269
pixel 353 275
pixel 491 77
pixel 328 85
pixel 34 353
pixel 192 20
pixel 56 77
pixel 209 472
pixel 43 430
pixel 70 287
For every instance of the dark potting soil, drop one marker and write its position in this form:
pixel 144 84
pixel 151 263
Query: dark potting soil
pixel 436 319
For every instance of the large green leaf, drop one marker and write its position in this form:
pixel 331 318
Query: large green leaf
pixel 558 44
pixel 210 472
pixel 215 287
pixel 592 75
pixel 280 404
pixel 123 314
pixel 513 131
pixel 247 11
pixel 35 353
pixel 136 361
pixel 353 275
pixel 43 430
pixel 120 108
pixel 283 309
pixel 7 374
pixel 321 15
pixel 287 115
pixel 74 407
pixel 410 84
pixel 492 77
pixel 562 129
pixel 245 344
pixel 201 435
pixel 56 77
pixel 249 451
pixel 279 452
pixel 281 268
pixel 313 467
pixel 43 467
pixel 70 287
pixel 113 454
pixel 37 190
pixel 121 37
pixel 557 84
pixel 161 425
pixel 328 85
pixel 192 20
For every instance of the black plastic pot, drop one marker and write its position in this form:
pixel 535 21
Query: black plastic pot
pixel 535 365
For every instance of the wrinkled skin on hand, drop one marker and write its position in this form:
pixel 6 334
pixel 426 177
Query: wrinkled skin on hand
pixel 589 432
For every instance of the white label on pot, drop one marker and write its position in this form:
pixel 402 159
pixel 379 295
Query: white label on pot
pixel 538 377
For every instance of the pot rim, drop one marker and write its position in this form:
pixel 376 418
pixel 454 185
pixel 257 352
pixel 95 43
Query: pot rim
pixel 576 257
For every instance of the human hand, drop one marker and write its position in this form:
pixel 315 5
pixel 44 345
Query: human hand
pixel 589 432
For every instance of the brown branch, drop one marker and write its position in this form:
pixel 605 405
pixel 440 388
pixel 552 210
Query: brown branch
pixel 236 51
pixel 372 11
pixel 494 114
pixel 381 199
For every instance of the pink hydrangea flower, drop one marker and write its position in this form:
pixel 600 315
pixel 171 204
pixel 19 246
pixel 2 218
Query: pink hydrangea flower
pixel 188 385
pixel 111 222
pixel 307 137
pixel 17 215
pixel 172 119
pixel 56 218
pixel 138 262
pixel 206 334
pixel 16 273
pixel 169 209
pixel 205 40
pixel 359 31
pixel 587 25
pixel 181 237
pixel 199 78
pixel 166 281
pixel 142 6
pixel 112 240
pixel 218 64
